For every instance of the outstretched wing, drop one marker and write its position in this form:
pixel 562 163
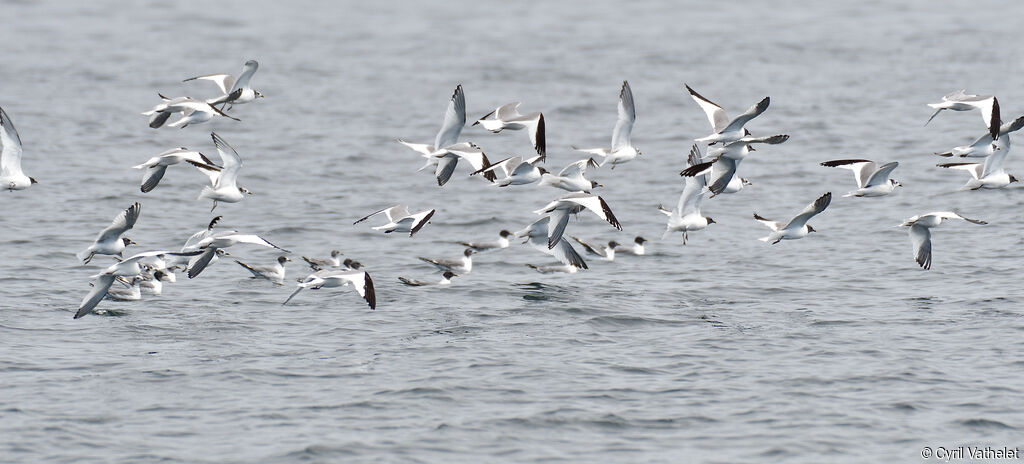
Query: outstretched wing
pixel 881 175
pixel 99 290
pixel 224 81
pixel 627 116
pixel 810 211
pixel 716 115
pixel 454 120
pixel 862 168
pixel 125 220
pixel 10 159
pixel 751 113
pixel 230 159
pixel 921 242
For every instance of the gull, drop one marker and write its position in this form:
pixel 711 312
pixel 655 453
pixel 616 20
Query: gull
pixel 872 180
pixel 223 186
pixel 446 279
pixel 637 248
pixel 359 280
pixel 518 170
pixel 797 227
pixel 350 264
pixel 960 101
pixel 235 91
pixel 920 234
pixel 622 149
pixel 537 236
pixel 156 166
pixel 109 241
pixel 192 112
pixel 461 266
pixel 273 273
pixel 726 160
pixel 573 177
pixel 724 129
pixel 130 292
pixel 445 153
pixel 399 219
pixel 984 145
pixel 322 263
pixel 687 216
pixel 501 242
pixel 128 267
pixel 211 245
pixel 508 117
pixel 987 175
pixel 560 268
pixel 153 283
pixel 605 252
pixel 11 176
pixel 573 203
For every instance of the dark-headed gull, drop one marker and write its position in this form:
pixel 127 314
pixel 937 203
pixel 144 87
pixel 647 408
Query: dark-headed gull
pixel 359 280
pixel 797 227
pixel 686 216
pixel 921 237
pixel 622 149
pixel 109 241
pixel 446 279
pixel 508 117
pixel 399 219
pixel 234 91
pixel 872 180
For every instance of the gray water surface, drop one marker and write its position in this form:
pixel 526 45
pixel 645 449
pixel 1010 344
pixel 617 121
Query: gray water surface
pixel 835 348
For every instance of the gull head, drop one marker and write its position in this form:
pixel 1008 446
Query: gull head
pixel 745 182
pixel 33 180
pixel 810 229
pixel 504 233
pixel 895 183
pixel 127 241
pixel 283 259
pixel 258 93
pixel 469 252
pixel 1013 179
pixel 542 170
pixel 594 184
pixel 711 221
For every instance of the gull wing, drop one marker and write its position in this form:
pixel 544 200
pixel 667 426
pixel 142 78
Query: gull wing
pixel 810 211
pixel 591 248
pixel 99 290
pixel 392 212
pixel 578 168
pixel 229 158
pixel 122 222
pixel 596 204
pixel 921 243
pixel 773 225
pixel 360 280
pixel 421 148
pixel 10 159
pixel 474 155
pixel 627 116
pixel 722 174
pixel 454 120
pixel 248 70
pixel 538 137
pixel 976 169
pixel 445 167
pixel 507 111
pixel 507 166
pixel 224 81
pixel 862 168
pixel 565 253
pixel 751 113
pixel 716 115
pixel 419 220
pixel 881 175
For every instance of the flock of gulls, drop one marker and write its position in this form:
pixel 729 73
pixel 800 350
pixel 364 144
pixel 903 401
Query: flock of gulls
pixel 708 174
